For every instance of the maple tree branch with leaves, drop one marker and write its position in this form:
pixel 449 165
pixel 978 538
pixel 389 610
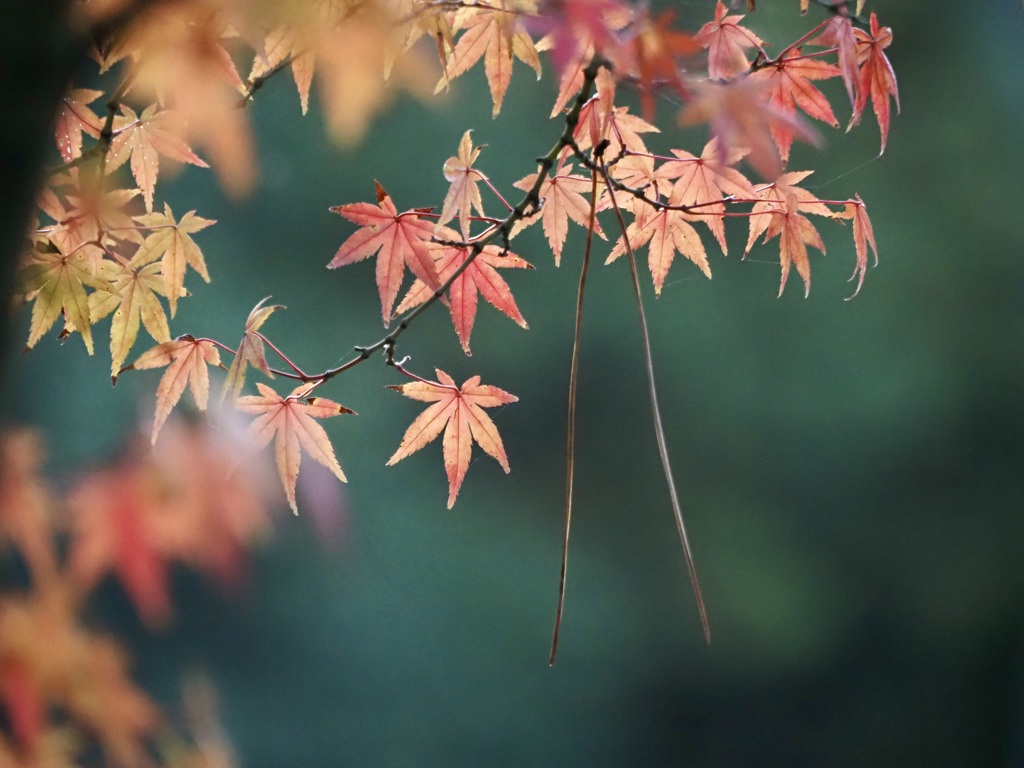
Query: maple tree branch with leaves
pixel 109 246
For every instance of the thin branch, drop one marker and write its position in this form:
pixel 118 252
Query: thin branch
pixel 570 432
pixel 659 430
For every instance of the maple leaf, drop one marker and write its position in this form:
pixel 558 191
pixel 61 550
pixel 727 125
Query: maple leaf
pixel 666 231
pixel 742 117
pixel 621 129
pixel 863 236
pixel 170 241
pixel 789 87
pixel 463 194
pixel 779 214
pixel 838 33
pixel 291 422
pixel 575 28
pixel 400 239
pixel 875 77
pixel 25 502
pixel 727 43
pixel 479 277
pixel 83 675
pixel 75 118
pixel 186 359
pixel 250 350
pixel 653 53
pixel 58 282
pixel 498 36
pixel 92 220
pixel 114 515
pixel 132 294
pixel 143 138
pixel 563 196
pixel 704 180
pixel 459 412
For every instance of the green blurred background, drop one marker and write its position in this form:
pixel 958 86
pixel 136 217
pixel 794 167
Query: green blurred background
pixel 852 472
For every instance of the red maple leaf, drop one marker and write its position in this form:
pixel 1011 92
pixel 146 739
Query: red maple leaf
pixel 459 413
pixel 727 43
pixel 480 276
pixel 789 87
pixel 875 77
pixel 400 239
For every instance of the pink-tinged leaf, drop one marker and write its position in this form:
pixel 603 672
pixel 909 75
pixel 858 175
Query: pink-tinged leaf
pixel 742 117
pixel 838 33
pixel 400 239
pixel 875 78
pixel 73 119
pixel 186 359
pixel 291 422
pixel 566 198
pixel 789 86
pixel 666 232
pixel 459 413
pixel 480 276
pixel 464 193
pixel 497 36
pixel 863 236
pixel 143 138
pixel 700 181
pixel 782 218
pixel 727 43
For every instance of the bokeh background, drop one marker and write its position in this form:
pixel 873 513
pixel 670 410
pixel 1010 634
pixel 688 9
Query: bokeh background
pixel 852 471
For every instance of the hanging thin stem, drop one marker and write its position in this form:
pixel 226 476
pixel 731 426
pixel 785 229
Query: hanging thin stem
pixel 659 430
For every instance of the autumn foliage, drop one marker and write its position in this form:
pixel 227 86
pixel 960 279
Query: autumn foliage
pixel 107 245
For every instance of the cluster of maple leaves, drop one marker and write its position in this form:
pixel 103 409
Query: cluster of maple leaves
pixel 104 247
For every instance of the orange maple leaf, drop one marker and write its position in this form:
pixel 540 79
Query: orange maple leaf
pixel 459 412
pixel 145 137
pixel 654 51
pixel 186 359
pixel 400 239
pixel 838 33
pixel 875 77
pixel 727 43
pixel 291 422
pixel 479 277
